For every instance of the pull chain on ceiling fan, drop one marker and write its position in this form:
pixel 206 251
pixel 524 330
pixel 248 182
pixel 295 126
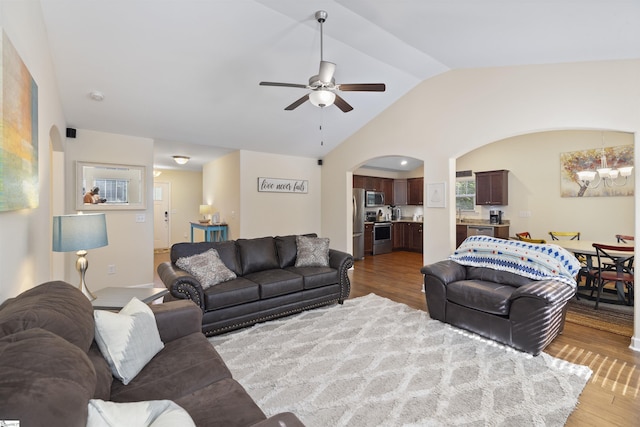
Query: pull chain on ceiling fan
pixel 323 86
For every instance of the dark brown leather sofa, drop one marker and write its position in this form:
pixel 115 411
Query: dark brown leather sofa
pixel 268 285
pixel 523 313
pixel 50 365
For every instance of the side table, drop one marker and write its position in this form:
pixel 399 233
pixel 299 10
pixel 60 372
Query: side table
pixel 116 298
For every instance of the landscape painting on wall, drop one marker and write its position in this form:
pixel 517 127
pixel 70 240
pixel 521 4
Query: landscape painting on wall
pixel 18 132
pixel 618 159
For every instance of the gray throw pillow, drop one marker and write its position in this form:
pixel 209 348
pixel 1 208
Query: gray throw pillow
pixel 207 267
pixel 312 251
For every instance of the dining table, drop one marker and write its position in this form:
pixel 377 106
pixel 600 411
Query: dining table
pixel 583 249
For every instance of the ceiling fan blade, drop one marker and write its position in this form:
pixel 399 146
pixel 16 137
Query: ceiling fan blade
pixel 342 104
pixel 298 103
pixel 326 71
pixel 283 84
pixel 363 87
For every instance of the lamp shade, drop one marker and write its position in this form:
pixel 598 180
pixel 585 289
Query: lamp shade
pixel 205 209
pixel 79 232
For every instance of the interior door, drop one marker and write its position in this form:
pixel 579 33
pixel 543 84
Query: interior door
pixel 161 216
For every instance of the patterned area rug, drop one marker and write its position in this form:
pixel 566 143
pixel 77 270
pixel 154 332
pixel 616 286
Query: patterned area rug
pixel 375 362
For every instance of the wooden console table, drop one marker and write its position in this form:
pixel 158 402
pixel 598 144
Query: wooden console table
pixel 212 232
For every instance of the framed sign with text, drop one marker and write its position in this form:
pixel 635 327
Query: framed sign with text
pixel 277 185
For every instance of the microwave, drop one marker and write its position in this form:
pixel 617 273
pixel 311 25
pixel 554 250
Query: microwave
pixel 374 198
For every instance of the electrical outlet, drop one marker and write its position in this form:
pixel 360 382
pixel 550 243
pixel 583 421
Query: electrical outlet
pixel 111 269
pixel 524 214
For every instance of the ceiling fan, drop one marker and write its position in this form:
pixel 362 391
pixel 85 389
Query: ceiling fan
pixel 323 85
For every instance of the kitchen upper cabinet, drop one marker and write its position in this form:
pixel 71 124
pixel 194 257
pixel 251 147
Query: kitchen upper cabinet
pixel 492 188
pixel 415 191
pixel 359 181
pixel 399 192
pixel 374 183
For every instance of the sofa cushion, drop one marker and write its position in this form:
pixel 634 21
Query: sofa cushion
pixel 224 403
pixel 46 380
pixel 489 297
pixel 104 378
pixel 276 282
pixel 150 413
pixel 207 267
pixel 257 254
pixel 288 249
pixel 312 252
pixel 227 251
pixel 184 365
pixel 316 277
pixel 57 307
pixel 128 339
pixel 233 292
pixel 498 276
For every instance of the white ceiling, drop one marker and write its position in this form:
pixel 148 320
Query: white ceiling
pixel 186 72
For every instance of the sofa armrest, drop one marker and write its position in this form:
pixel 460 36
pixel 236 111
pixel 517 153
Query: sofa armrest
pixel 181 284
pixel 284 419
pixel 342 261
pixel 549 291
pixel 176 319
pixel 446 271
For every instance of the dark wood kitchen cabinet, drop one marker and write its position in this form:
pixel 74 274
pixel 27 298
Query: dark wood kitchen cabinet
pixel 398 235
pixel 492 188
pixel 415 191
pixel 461 233
pixel 412 236
pixel 399 192
pixel 368 239
pixel 374 183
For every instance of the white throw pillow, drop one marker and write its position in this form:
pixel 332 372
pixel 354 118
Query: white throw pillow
pixel 207 267
pixel 152 413
pixel 129 339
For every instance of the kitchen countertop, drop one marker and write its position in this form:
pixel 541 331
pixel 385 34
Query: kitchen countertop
pixel 482 222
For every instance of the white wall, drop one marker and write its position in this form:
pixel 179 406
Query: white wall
pixel 25 235
pixel 231 185
pixel 458 111
pixel 186 198
pixel 130 246
pixel 221 189
pixel 533 161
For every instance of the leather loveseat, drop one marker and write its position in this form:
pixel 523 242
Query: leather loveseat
pixel 50 365
pixel 506 306
pixel 267 285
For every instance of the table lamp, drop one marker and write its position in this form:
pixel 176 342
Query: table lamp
pixel 204 211
pixel 79 233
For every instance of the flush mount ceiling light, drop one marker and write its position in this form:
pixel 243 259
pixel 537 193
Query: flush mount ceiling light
pixel 96 95
pixel 181 160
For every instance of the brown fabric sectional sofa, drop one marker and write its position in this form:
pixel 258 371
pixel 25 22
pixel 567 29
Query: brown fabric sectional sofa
pixel 268 283
pixel 50 365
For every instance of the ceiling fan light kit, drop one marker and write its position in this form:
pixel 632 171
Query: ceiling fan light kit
pixel 323 85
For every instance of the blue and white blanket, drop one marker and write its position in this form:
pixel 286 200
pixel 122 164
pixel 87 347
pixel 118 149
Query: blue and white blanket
pixel 536 261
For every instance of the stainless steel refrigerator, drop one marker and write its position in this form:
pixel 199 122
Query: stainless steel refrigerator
pixel 358 223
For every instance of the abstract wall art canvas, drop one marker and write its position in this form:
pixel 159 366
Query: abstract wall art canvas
pixel 590 160
pixel 18 133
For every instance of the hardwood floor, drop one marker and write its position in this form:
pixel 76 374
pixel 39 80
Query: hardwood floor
pixel 612 394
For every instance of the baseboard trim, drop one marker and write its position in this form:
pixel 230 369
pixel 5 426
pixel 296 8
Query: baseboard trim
pixel 635 344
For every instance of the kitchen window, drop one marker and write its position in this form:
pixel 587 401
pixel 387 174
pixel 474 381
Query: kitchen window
pixel 465 194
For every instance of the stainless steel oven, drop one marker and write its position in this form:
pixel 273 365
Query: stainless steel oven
pixel 382 243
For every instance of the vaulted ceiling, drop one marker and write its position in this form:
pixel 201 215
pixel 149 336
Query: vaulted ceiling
pixel 186 72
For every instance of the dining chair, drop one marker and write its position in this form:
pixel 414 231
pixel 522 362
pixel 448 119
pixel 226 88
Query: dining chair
pixel 622 238
pixel 614 267
pixel 524 239
pixel 524 234
pixel 571 235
